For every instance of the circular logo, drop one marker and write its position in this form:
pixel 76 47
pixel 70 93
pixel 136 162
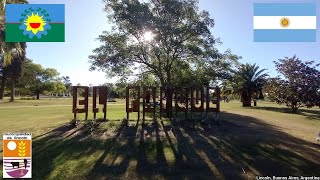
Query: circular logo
pixel 12 145
pixel 35 22
pixel 284 22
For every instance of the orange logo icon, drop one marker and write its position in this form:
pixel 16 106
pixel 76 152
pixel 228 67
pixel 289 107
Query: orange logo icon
pixel 17 155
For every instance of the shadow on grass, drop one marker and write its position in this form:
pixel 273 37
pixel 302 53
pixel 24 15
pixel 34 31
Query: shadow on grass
pixel 240 148
pixel 308 113
pixel 59 129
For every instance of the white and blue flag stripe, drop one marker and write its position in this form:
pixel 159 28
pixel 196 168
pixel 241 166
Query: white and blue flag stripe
pixel 301 27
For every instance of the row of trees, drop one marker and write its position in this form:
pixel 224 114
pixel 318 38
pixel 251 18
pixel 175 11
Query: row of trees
pixel 34 79
pixel 169 43
pixel 20 75
pixel 297 85
pixel 166 43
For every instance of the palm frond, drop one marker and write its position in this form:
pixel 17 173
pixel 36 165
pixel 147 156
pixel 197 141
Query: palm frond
pixel 248 78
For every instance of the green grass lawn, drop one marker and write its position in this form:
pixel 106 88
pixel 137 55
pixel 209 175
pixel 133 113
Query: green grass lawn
pixel 263 140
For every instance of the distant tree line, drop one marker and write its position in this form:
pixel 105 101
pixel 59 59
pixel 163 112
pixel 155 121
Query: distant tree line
pixel 167 44
pixel 32 80
pixel 297 85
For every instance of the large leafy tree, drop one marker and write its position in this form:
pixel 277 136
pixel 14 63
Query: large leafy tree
pixel 38 80
pixel 298 84
pixel 162 37
pixel 58 87
pixel 120 87
pixel 248 81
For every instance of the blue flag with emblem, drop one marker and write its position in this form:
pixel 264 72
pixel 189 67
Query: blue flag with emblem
pixel 284 22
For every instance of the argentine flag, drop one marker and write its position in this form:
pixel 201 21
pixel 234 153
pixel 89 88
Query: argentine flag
pixel 284 22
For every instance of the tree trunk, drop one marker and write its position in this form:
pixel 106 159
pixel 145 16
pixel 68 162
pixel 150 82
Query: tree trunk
pixel 12 91
pixel 246 99
pixel 38 95
pixel 294 108
pixel 261 94
pixel 169 92
pixel 3 83
pixel 169 95
pixel 246 102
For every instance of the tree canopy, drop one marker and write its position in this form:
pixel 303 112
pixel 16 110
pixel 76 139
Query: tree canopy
pixel 36 79
pixel 298 84
pixel 170 39
pixel 165 38
pixel 247 82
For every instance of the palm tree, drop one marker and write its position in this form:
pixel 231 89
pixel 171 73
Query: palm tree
pixel 248 80
pixel 9 51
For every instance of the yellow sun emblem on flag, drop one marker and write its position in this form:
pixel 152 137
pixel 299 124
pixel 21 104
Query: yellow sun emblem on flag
pixel 284 22
pixel 35 23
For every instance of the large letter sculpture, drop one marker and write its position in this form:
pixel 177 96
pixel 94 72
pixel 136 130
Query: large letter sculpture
pixel 181 98
pixel 195 93
pixel 102 92
pixel 149 106
pixel 135 103
pixel 213 98
pixel 84 102
pixel 164 92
